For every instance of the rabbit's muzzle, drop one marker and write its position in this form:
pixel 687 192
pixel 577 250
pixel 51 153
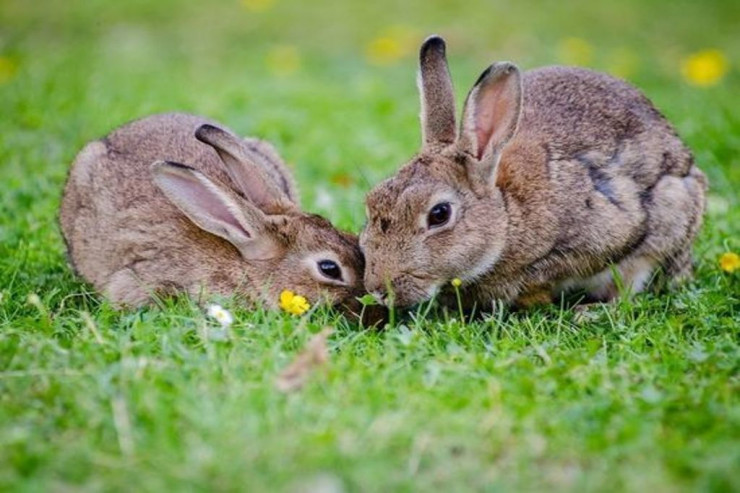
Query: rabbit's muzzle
pixel 402 290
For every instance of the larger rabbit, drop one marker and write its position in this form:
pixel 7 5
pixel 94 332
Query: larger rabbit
pixel 173 203
pixel 557 178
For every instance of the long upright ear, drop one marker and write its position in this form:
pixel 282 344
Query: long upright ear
pixel 256 177
pixel 215 209
pixel 491 115
pixel 437 96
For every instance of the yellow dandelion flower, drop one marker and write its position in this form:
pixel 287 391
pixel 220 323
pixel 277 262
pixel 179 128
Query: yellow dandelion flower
pixel 704 68
pixel 729 262
pixel 8 69
pixel 391 45
pixel 456 282
pixel 575 51
pixel 283 60
pixel 293 303
pixel 257 5
pixel 383 51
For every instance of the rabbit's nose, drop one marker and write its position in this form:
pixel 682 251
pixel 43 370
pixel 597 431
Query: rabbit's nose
pixel 375 284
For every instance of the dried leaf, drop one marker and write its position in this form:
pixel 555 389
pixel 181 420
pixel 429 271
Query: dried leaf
pixel 313 357
pixel 341 179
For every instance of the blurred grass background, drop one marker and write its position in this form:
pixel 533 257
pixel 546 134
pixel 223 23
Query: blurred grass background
pixel 332 84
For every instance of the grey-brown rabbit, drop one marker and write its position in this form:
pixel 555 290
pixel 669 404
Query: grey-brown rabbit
pixel 174 203
pixel 555 176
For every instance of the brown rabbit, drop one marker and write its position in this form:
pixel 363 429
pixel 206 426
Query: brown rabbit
pixel 174 203
pixel 555 176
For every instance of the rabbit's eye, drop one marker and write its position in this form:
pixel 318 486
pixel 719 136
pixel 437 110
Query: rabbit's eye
pixel 439 214
pixel 330 269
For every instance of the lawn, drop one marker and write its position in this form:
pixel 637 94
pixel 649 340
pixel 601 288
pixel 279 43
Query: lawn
pixel 639 396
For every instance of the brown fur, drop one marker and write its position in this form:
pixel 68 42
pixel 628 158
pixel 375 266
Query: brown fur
pixel 593 176
pixel 131 242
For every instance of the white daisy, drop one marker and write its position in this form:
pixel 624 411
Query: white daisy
pixel 220 314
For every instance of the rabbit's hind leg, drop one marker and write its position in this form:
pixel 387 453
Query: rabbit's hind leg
pixel 125 289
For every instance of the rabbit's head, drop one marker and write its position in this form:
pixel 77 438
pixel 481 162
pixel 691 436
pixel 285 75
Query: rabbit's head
pixel 282 247
pixel 442 217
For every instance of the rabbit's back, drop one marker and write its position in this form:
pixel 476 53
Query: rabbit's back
pixel 576 113
pixel 169 136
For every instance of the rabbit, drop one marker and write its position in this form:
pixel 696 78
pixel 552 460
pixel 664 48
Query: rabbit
pixel 175 203
pixel 559 180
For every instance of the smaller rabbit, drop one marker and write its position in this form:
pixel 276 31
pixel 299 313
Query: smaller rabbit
pixel 174 203
pixel 557 178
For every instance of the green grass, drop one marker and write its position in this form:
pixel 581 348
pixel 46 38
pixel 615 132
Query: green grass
pixel 643 396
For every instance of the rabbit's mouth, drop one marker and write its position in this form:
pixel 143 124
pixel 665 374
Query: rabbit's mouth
pixel 406 291
pixel 373 316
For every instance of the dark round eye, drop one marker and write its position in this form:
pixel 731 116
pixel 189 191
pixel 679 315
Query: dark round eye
pixel 439 214
pixel 330 269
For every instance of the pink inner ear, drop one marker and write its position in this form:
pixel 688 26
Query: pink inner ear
pixel 195 198
pixel 494 115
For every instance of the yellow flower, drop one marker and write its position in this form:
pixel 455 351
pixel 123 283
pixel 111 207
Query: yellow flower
pixel 8 68
pixel 283 60
pixel 729 262
pixel 704 68
pixel 257 5
pixel 575 51
pixel 392 45
pixel 383 51
pixel 293 303
pixel 456 282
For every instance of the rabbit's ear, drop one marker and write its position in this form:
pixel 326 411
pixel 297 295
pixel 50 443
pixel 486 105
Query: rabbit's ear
pixel 247 169
pixel 437 96
pixel 491 115
pixel 215 209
